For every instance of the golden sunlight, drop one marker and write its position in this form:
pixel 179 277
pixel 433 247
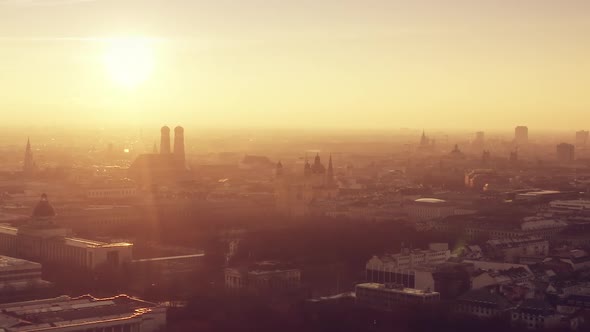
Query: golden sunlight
pixel 129 61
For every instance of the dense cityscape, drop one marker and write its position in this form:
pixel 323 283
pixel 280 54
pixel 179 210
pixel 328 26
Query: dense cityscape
pixel 294 166
pixel 361 232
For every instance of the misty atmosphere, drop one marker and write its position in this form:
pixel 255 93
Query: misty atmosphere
pixel 335 165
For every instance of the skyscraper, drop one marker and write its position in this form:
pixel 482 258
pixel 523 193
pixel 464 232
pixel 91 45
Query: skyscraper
pixel 565 152
pixel 521 135
pixel 165 140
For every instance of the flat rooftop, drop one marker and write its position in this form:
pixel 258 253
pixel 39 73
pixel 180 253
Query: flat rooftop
pixel 11 263
pixel 383 287
pixel 66 311
pixel 84 243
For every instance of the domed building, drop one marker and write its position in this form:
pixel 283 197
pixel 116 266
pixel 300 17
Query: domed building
pixel 41 240
pixel 424 209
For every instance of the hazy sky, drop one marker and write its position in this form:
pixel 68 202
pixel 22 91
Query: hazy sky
pixel 340 63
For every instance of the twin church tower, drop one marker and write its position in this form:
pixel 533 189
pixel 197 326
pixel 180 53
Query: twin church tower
pixel 178 142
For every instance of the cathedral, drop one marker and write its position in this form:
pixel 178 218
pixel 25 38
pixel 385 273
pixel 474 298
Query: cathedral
pixel 29 166
pixel 426 143
pixel 296 192
pixel 165 168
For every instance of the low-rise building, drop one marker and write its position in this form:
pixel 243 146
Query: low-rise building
pixel 482 303
pixel 43 241
pixel 410 268
pixel 511 249
pixel 388 296
pixel 263 277
pixel 570 207
pixel 578 259
pixel 85 313
pixel 536 314
pixel 19 275
pixel 424 209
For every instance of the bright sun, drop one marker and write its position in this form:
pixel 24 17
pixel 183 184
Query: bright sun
pixel 129 61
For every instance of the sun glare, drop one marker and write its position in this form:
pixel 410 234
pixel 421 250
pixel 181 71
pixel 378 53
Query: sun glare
pixel 129 61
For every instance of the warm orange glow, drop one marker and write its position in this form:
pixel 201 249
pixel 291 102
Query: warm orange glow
pixel 129 61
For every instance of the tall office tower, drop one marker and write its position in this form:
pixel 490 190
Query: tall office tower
pixel 582 137
pixel 179 144
pixel 165 140
pixel 521 134
pixel 565 152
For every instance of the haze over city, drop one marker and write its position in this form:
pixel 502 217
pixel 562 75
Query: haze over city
pixel 339 64
pixel 277 165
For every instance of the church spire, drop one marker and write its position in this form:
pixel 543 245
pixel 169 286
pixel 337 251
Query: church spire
pixel 29 164
pixel 330 172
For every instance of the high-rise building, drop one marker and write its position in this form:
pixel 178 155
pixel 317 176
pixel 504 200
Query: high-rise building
pixel 521 135
pixel 165 140
pixel 565 152
pixel 582 138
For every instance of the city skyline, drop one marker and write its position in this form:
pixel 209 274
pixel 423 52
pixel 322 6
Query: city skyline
pixel 334 64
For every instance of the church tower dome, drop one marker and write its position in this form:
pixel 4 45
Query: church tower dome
pixel 44 209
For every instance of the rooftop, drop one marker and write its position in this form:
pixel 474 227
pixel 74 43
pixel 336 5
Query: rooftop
pixel 84 243
pixel 66 311
pixel 9 263
pixel 485 297
pixel 394 289
pixel 430 201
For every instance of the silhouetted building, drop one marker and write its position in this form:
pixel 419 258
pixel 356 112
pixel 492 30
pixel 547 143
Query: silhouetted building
pixel 521 135
pixel 565 152
pixel 485 157
pixel 165 140
pixel 165 168
pixel 425 142
pixel 456 153
pixel 479 140
pixel 29 166
pixel 294 193
pixel 513 157
pixel 179 144
pixel 582 138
